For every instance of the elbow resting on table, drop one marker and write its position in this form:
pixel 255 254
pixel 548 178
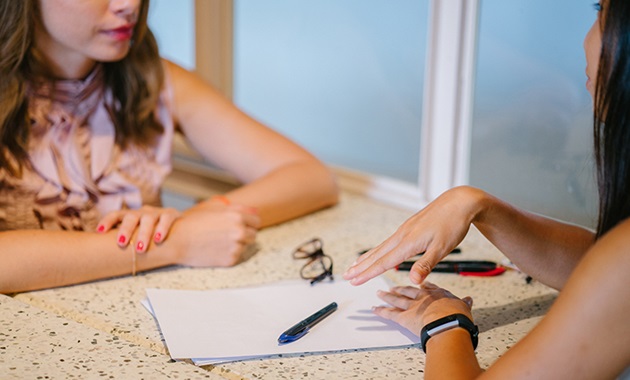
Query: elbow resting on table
pixel 329 188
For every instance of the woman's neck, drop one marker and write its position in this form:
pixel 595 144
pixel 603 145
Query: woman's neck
pixel 68 69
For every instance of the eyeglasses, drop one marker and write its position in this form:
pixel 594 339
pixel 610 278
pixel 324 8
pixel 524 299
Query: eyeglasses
pixel 319 265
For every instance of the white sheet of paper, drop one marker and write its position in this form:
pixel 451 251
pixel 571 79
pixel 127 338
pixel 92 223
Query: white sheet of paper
pixel 213 326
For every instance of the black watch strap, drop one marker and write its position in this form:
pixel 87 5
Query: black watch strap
pixel 447 323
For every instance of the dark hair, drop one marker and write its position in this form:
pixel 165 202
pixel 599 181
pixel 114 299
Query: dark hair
pixel 135 82
pixel 612 116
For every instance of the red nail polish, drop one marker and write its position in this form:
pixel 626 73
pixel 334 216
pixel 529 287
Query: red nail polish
pixel 140 246
pixel 101 228
pixel 157 237
pixel 122 239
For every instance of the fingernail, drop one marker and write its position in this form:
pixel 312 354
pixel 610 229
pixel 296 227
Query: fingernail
pixel 122 239
pixel 101 228
pixel 139 246
pixel 157 237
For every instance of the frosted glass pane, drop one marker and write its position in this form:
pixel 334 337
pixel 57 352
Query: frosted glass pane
pixel 173 24
pixel 344 78
pixel 531 136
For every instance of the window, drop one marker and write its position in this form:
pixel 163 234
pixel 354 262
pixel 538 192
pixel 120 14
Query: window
pixel 409 98
pixel 532 120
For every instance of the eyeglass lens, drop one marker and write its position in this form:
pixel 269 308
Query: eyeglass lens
pixel 319 265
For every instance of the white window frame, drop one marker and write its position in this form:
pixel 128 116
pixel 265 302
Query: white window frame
pixel 445 151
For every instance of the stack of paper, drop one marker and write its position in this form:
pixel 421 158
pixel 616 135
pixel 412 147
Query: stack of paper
pixel 215 326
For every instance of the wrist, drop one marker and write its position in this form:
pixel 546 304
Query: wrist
pixel 477 202
pixel 450 322
pixel 214 203
pixel 172 248
pixel 221 199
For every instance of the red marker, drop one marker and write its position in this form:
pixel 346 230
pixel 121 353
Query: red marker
pixel 461 267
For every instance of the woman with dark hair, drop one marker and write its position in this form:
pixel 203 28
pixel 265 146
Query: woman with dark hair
pixel 88 112
pixel 585 334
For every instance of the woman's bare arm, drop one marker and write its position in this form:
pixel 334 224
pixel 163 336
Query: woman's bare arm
pixel 36 259
pixel 281 179
pixel 547 249
pixel 581 337
pixel 208 236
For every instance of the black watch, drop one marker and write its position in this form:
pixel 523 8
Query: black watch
pixel 447 323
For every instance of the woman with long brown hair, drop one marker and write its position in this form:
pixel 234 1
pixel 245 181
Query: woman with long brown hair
pixel 585 334
pixel 88 112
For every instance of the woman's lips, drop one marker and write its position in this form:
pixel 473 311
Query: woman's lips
pixel 122 33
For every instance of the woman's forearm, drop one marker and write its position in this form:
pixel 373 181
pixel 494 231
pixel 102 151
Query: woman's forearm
pixel 201 237
pixel 544 248
pixel 289 192
pixel 450 356
pixel 37 259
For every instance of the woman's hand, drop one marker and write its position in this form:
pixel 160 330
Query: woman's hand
pixel 414 307
pixel 434 231
pixel 215 234
pixel 147 224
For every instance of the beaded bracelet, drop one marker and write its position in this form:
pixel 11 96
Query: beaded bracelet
pixel 221 198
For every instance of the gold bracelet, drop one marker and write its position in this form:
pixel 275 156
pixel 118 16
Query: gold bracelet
pixel 133 263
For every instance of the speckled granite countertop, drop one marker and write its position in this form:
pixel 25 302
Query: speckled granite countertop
pixel 36 344
pixel 506 307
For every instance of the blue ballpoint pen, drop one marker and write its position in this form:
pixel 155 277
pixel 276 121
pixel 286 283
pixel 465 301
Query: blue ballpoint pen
pixel 301 328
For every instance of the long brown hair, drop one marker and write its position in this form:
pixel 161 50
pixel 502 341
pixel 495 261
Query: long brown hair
pixel 135 82
pixel 612 116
